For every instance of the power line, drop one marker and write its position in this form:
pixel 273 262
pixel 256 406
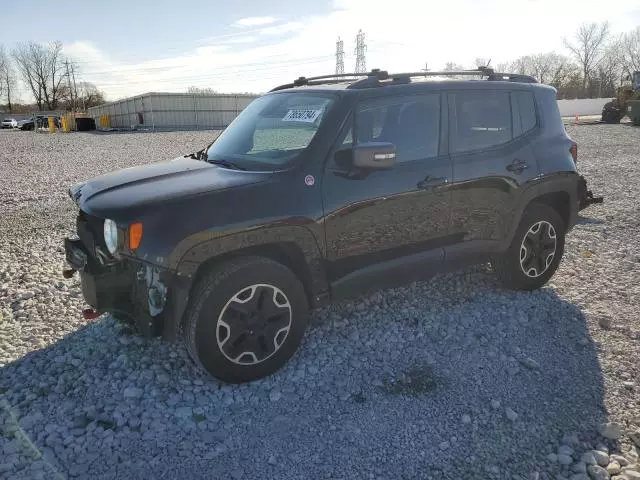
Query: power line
pixel 339 56
pixel 361 47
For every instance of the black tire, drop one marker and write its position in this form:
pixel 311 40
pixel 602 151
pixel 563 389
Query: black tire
pixel 508 266
pixel 208 305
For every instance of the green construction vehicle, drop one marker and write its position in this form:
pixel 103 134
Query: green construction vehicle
pixel 627 102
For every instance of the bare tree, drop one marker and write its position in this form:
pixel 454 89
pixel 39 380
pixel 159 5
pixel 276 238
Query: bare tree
pixel 42 70
pixel 481 61
pixel 201 90
pixel 610 71
pixel 550 68
pixel 452 67
pixel 587 47
pixel 89 95
pixel 7 77
pixel 630 51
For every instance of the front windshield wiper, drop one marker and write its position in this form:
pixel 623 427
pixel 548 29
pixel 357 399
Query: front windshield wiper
pixel 227 164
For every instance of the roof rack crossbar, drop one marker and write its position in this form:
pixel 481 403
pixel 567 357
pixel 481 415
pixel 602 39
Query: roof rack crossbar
pixel 300 81
pixel 360 80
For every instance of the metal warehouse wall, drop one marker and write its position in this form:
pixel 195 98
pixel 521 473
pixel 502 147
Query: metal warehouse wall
pixel 173 111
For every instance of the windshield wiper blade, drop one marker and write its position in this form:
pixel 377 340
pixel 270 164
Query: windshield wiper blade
pixel 227 164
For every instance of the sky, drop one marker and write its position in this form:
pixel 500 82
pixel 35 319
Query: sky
pixel 132 47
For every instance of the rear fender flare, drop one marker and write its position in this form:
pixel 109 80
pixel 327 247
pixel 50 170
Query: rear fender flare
pixel 561 182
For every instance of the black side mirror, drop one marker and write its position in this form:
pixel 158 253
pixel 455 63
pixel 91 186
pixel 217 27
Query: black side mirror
pixel 367 156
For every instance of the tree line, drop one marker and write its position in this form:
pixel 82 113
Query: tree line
pixel 595 63
pixel 49 77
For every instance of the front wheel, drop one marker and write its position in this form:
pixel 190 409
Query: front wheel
pixel 246 319
pixel 535 251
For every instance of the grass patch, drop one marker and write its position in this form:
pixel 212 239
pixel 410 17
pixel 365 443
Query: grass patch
pixel 359 397
pixel 106 424
pixel 587 253
pixel 414 382
pixel 197 417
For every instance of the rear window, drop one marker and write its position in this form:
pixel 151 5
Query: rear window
pixel 482 120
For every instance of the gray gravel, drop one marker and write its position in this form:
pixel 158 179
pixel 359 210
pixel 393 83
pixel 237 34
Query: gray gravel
pixel 445 379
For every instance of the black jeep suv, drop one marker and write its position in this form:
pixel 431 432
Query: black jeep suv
pixel 322 189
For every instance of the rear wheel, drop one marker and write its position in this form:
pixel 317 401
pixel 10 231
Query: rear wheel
pixel 246 319
pixel 535 251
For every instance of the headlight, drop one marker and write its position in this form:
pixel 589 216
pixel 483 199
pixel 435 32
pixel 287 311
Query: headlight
pixel 111 235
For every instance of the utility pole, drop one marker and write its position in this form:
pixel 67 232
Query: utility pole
pixel 66 64
pixel 361 47
pixel 339 56
pixel 75 89
pixel 426 67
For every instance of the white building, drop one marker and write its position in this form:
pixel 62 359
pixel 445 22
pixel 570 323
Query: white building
pixel 172 111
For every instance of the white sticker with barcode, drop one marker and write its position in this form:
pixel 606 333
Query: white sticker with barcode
pixel 307 115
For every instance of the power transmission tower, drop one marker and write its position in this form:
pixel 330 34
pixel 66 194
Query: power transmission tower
pixel 75 89
pixel 339 56
pixel 66 64
pixel 361 61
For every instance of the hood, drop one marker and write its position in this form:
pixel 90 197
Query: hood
pixel 132 188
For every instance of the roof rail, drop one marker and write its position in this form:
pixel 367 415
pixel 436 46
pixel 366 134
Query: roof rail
pixel 373 78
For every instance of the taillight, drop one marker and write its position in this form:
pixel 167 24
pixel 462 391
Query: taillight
pixel 574 152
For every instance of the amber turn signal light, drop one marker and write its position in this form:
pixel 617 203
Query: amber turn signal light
pixel 135 235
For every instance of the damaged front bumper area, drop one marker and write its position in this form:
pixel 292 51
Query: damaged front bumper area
pixel 585 196
pixel 150 296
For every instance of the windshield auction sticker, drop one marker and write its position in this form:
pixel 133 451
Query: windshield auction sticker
pixel 307 115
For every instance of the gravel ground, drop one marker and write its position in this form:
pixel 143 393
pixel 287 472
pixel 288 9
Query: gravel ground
pixel 453 378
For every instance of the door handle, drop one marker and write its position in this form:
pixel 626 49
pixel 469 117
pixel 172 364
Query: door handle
pixel 429 183
pixel 517 166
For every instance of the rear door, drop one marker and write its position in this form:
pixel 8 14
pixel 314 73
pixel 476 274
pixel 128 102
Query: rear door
pixel 492 163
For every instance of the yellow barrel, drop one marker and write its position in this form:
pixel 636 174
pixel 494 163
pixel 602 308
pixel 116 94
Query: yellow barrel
pixel 52 125
pixel 66 125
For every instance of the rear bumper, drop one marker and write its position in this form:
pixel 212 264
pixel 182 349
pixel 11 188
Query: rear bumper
pixel 154 298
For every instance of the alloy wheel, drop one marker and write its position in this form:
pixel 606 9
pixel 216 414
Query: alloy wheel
pixel 253 324
pixel 538 249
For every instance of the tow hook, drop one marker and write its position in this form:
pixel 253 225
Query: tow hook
pixel 90 313
pixel 68 272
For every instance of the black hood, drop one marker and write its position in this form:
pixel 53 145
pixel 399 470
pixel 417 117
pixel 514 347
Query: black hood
pixel 133 188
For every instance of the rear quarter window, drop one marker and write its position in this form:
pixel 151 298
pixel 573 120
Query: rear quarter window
pixel 527 109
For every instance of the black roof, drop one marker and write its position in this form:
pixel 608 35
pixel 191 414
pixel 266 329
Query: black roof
pixel 381 78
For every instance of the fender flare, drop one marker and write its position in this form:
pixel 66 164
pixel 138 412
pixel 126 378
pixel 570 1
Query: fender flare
pixel 199 248
pixel 561 182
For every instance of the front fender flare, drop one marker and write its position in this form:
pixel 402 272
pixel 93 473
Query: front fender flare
pixel 198 248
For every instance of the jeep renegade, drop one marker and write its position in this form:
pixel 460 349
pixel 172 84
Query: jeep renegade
pixel 320 190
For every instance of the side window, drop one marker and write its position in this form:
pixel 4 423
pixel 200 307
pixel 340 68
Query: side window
pixel 482 120
pixel 527 109
pixel 412 124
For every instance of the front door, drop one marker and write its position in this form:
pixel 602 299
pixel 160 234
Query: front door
pixel 375 219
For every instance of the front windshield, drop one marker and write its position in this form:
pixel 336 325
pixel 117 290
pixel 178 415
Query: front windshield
pixel 272 130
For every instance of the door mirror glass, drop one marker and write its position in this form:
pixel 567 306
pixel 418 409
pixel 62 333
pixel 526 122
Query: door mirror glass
pixel 367 156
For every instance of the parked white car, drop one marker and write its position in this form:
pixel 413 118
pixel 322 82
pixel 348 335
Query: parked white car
pixel 9 123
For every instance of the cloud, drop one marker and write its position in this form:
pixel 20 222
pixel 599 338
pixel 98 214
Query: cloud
pixel 401 38
pixel 282 28
pixel 245 39
pixel 255 21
